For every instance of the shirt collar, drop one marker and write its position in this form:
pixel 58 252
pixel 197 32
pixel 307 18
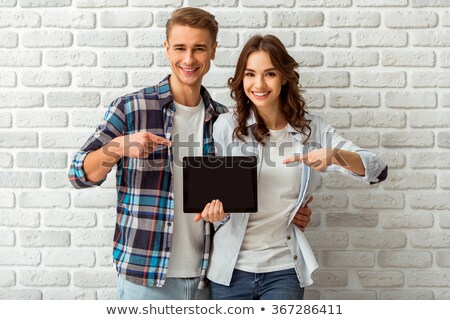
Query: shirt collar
pixel 251 120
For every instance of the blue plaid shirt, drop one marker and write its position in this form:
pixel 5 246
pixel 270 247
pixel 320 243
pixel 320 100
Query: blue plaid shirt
pixel 145 205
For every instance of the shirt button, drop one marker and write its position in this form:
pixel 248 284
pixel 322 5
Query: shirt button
pixel 289 237
pixel 169 223
pixel 295 257
pixel 167 249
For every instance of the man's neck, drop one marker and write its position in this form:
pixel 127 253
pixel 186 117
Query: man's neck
pixel 186 95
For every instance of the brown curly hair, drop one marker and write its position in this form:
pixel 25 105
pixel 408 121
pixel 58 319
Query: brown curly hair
pixel 293 105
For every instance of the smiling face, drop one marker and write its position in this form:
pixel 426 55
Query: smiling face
pixel 189 51
pixel 262 81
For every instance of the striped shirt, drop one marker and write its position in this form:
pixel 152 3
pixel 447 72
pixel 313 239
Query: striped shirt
pixel 145 204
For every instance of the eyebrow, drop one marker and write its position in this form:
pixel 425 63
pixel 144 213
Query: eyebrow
pixel 270 69
pixel 195 46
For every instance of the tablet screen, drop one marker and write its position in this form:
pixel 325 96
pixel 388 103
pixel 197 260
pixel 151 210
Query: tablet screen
pixel 232 180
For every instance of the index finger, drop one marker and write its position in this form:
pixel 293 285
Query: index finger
pixel 157 139
pixel 296 158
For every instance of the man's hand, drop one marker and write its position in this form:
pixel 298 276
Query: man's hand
pixel 212 212
pixel 140 144
pixel 303 216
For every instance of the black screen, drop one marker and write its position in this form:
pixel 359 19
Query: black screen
pixel 232 180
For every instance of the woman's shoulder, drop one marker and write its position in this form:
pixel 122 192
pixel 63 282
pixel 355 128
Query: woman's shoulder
pixel 225 120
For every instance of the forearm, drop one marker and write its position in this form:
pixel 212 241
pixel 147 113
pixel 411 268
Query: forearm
pixel 349 160
pixel 99 163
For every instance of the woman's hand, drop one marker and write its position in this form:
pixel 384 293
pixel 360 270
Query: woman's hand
pixel 318 159
pixel 212 212
pixel 303 216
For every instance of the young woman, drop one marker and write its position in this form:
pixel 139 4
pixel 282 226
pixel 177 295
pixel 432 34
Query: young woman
pixel 264 255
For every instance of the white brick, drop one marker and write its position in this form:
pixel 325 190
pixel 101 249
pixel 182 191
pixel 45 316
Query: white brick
pixel 166 3
pixel 410 19
pixel 339 181
pixel 108 219
pixel 363 139
pixel 38 278
pixel 421 160
pixel 217 79
pixel 7 239
pixel 443 259
pixel 445 99
pixel 327 239
pixel 100 3
pixel 444 295
pixel 381 3
pixel 7 278
pixel 357 99
pixel 379 240
pixel 143 79
pixel 408 58
pixel 317 38
pixel 356 19
pixel 443 139
pixel 104 257
pixel 296 19
pixel 64 294
pixel 132 19
pixel 101 79
pixel 70 219
pixel 330 278
pixel 242 19
pixel 286 37
pixel 406 99
pixel 149 38
pixel 39 239
pixel 69 257
pixel 19 218
pixel 325 79
pixel 93 238
pixel 230 38
pixel 418 139
pixel 370 279
pixel 352 219
pixel 8 3
pixel 404 259
pixel 44 3
pixel 68 99
pixel 44 199
pixel 394 159
pixel 444 181
pixel 72 58
pixel 307 58
pixel 406 294
pixel 314 99
pixel 350 295
pixel 429 3
pixel 7 199
pixel 330 200
pixel 338 119
pixel 425 119
pixel 428 278
pixel 126 59
pixel 6 160
pixel 8 79
pixel 445 20
pixel 94 279
pixel 379 201
pixel 56 179
pixel 379 119
pixel 226 58
pixel 19 58
pixel 102 38
pixel 18 139
pixel 269 4
pixel 21 257
pixel 46 78
pixel 21 99
pixel 407 220
pixel 343 259
pixel 161 60
pixel 63 139
pixel 5 120
pixel 366 79
pixel 53 160
pixel 95 199
pixel 37 119
pixel 324 3
pixel 19 19
pixel 430 79
pixel 20 294
pixel 378 38
pixel 428 38
pixel 77 20
pixel 8 39
pixel 43 39
pixel 352 59
pixel 430 201
pixel 20 179
pixel 445 59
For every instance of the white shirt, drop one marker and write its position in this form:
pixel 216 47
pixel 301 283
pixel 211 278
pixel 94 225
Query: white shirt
pixel 187 241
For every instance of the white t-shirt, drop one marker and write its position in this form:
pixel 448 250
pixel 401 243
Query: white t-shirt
pixel 264 248
pixel 187 240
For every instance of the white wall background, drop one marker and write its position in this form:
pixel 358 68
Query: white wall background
pixel 377 70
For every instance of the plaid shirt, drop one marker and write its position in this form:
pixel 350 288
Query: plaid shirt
pixel 145 205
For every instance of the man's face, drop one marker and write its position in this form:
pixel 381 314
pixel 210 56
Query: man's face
pixel 189 51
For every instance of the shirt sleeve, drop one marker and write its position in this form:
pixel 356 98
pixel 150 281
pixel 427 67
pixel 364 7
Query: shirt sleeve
pixel 113 125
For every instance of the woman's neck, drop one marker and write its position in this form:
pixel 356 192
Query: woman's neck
pixel 273 118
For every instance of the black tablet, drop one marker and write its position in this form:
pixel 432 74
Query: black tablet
pixel 232 180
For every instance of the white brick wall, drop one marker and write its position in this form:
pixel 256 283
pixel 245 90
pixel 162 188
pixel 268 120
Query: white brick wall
pixel 376 69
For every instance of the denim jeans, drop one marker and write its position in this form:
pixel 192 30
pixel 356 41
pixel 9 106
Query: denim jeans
pixel 277 285
pixel 173 289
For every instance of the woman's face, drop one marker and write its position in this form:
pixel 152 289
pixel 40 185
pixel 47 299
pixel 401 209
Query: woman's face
pixel 262 81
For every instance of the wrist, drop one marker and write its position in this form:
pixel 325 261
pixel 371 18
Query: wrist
pixel 115 148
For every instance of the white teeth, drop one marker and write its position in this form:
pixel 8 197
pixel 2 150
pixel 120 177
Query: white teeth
pixel 188 70
pixel 260 94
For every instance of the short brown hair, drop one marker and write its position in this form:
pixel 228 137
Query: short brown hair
pixel 195 18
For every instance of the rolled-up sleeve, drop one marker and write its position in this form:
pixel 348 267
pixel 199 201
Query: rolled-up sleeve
pixel 112 126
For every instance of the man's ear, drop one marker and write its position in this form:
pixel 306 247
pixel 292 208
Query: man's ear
pixel 166 46
pixel 213 52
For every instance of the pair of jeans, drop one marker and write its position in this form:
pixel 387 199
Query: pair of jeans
pixel 276 285
pixel 173 289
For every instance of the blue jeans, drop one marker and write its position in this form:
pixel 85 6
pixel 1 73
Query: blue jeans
pixel 276 285
pixel 173 289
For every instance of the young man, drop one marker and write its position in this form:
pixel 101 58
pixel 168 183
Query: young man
pixel 160 252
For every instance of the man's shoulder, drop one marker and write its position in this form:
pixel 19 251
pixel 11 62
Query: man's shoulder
pixel 220 107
